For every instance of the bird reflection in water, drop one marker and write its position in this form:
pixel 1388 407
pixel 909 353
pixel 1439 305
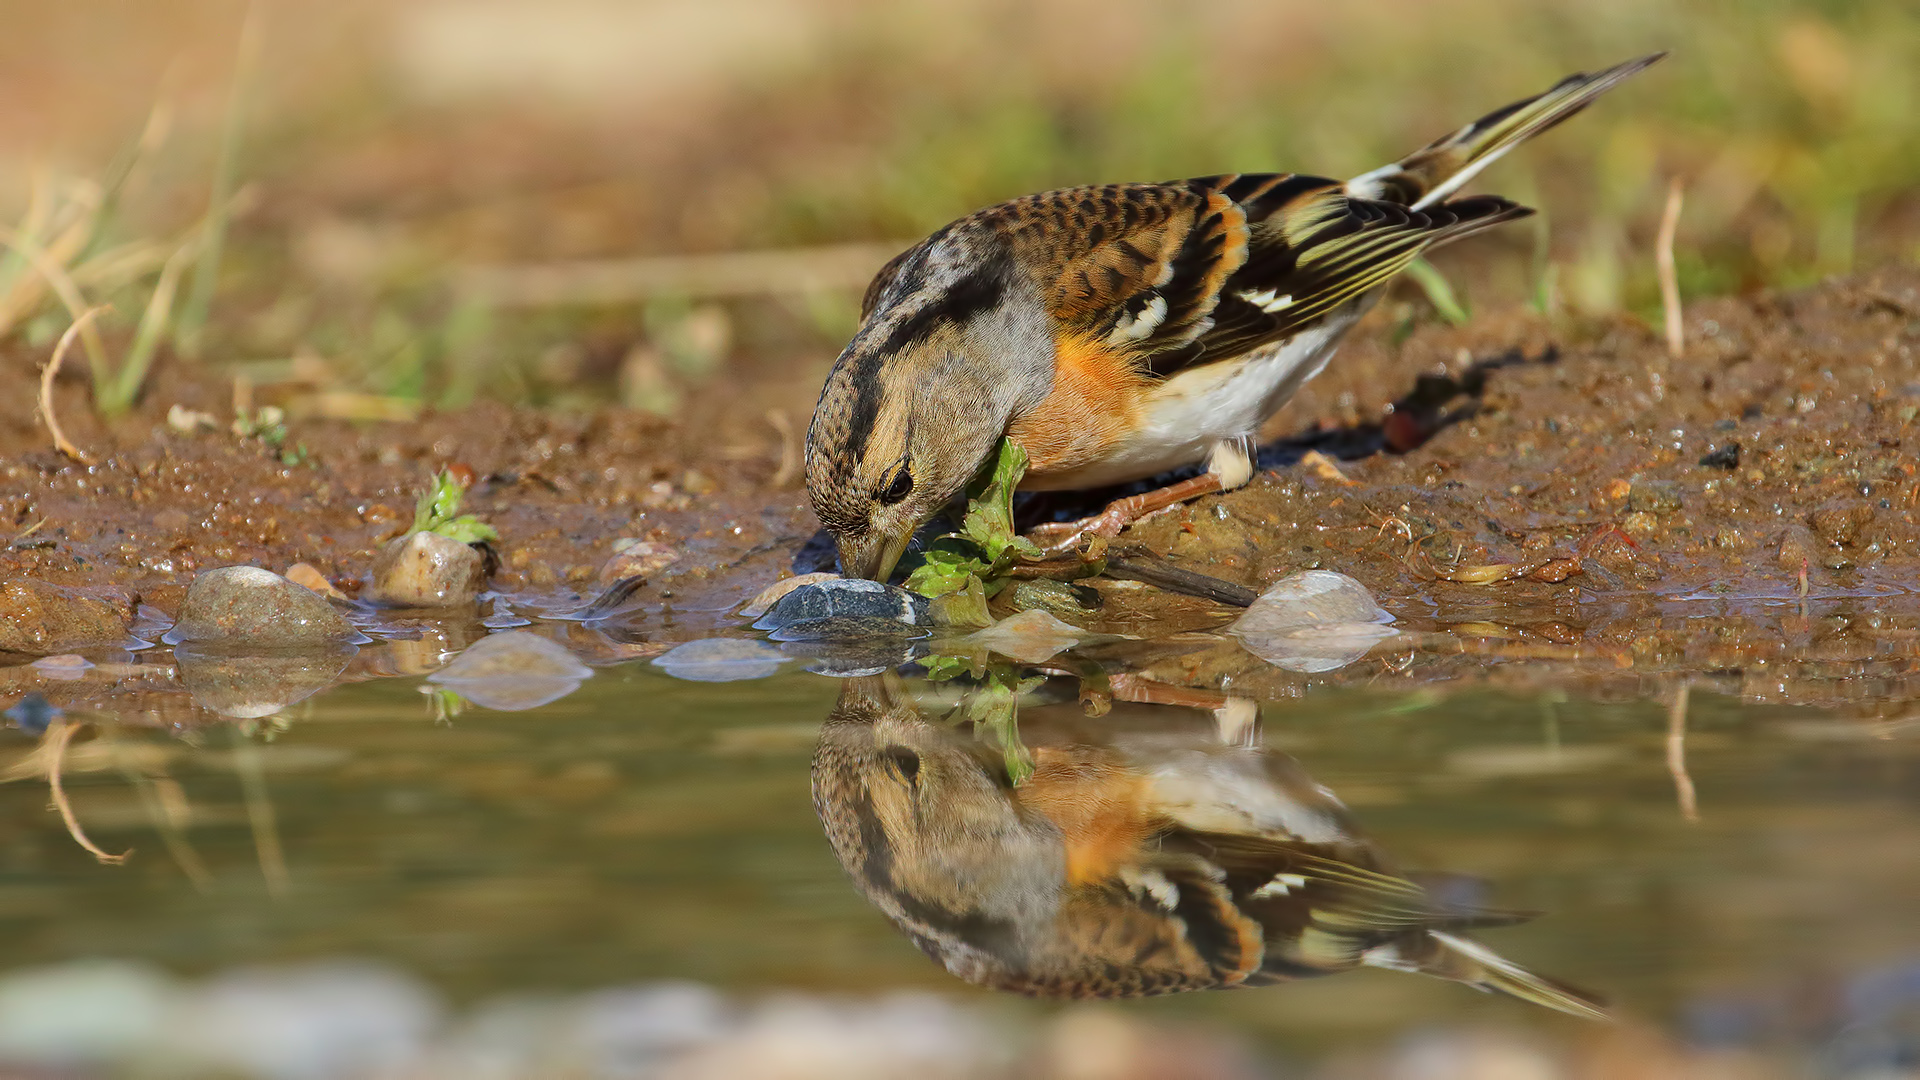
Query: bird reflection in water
pixel 1153 849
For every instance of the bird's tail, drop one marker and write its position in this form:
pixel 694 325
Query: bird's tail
pixel 1439 169
pixel 1461 959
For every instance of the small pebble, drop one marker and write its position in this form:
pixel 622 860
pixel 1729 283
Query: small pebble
pixel 636 558
pixel 425 569
pixel 721 660
pixel 1657 497
pixel 65 667
pixel 307 575
pixel 1723 457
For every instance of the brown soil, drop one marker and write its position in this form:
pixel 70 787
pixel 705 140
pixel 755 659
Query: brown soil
pixel 1579 460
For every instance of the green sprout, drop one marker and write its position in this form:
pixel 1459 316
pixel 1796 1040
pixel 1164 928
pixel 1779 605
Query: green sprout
pixel 438 511
pixel 983 552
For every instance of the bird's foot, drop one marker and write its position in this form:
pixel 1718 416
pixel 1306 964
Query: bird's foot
pixel 1095 531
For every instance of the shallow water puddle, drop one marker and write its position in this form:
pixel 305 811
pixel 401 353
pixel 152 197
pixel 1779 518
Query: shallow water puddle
pixel 1727 856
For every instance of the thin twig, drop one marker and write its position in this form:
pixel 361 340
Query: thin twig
pixel 59 735
pixel 60 440
pixel 1677 754
pixel 1669 275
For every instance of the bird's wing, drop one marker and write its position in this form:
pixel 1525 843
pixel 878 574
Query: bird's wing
pixel 1323 906
pixel 1206 269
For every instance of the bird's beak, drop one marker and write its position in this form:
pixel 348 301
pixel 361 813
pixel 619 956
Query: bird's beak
pixel 872 556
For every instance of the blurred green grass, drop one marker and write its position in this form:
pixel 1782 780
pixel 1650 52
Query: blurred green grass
pixel 1790 123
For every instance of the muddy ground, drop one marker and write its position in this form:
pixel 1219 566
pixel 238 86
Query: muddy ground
pixel 1537 491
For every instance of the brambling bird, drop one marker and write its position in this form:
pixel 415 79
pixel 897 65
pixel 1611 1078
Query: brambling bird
pixel 1120 331
pixel 1148 852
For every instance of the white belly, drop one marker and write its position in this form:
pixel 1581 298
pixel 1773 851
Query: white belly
pixel 1196 409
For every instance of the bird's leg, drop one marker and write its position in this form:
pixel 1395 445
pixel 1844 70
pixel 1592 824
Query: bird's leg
pixel 1229 466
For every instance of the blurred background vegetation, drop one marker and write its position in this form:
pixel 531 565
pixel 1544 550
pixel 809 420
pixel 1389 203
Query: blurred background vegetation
pixel 309 195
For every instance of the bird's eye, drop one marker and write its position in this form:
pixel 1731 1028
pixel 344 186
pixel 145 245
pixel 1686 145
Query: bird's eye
pixel 899 486
pixel 903 762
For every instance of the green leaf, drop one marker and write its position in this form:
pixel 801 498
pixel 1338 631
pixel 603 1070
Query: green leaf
pixel 438 511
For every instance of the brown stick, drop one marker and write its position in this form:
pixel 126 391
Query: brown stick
pixel 61 734
pixel 60 350
pixel 1677 755
pixel 1669 275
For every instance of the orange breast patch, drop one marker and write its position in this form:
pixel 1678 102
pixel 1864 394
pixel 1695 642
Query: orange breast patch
pixel 1097 806
pixel 1094 405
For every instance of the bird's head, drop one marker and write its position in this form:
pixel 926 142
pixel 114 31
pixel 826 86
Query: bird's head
pixel 952 346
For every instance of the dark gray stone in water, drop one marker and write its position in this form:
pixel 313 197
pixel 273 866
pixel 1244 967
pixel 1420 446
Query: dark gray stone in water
pixel 845 599
pixel 851 630
pixel 721 660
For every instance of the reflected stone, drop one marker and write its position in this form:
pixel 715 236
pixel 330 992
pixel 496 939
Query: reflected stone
pixel 1313 621
pixel 260 684
pixel 721 660
pixel 850 657
pixel 1030 637
pixel 513 671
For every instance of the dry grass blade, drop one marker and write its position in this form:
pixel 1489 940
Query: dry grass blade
pixel 55 275
pixel 59 735
pixel 1677 755
pixel 118 395
pixel 206 274
pixel 60 440
pixel 1669 275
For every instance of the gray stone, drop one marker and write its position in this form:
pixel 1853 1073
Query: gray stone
pixel 425 569
pixel 38 617
pixel 245 608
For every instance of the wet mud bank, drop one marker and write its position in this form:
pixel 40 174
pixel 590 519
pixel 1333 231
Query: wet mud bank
pixel 1507 490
